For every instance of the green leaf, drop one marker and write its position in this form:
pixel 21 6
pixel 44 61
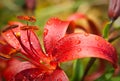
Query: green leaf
pixel 106 30
pixel 77 70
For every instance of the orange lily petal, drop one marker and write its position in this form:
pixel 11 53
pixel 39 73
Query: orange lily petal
pixel 75 46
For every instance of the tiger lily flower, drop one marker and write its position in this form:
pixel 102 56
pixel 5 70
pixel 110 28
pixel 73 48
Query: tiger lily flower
pixel 43 65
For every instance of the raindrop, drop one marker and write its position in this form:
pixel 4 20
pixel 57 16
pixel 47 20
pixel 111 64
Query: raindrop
pixel 59 79
pixel 31 75
pixel 8 34
pixel 24 79
pixel 79 49
pixel 99 45
pixel 9 37
pixel 86 34
pixel 60 22
pixel 78 41
pixel 97 38
pixel 41 61
pixel 49 23
pixel 24 41
pixel 15 33
pixel 45 32
pixel 31 42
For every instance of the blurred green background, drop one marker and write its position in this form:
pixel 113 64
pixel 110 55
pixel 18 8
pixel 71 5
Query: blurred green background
pixel 44 9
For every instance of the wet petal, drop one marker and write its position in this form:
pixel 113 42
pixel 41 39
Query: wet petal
pixel 92 26
pixel 26 42
pixel 84 45
pixel 19 71
pixel 5 49
pixel 14 67
pixel 31 45
pixel 56 75
pixel 10 38
pixel 77 16
pixel 54 30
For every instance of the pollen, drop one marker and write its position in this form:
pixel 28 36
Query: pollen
pixel 17 34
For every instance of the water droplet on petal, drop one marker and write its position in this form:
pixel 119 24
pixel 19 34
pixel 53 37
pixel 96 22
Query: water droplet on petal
pixel 25 41
pixel 86 34
pixel 97 38
pixel 31 42
pixel 79 49
pixel 59 79
pixel 8 35
pixel 60 22
pixel 49 23
pixel 31 75
pixel 78 41
pixel 24 79
pixel 99 45
pixel 45 32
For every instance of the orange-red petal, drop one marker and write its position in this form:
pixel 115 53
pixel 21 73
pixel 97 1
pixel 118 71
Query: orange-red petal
pixel 84 45
pixel 54 30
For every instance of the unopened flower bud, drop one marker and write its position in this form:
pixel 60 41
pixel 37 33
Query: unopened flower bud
pixel 114 9
pixel 30 5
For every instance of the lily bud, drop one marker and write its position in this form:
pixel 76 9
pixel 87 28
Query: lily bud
pixel 30 5
pixel 114 9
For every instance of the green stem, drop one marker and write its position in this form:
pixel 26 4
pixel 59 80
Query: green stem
pixel 76 70
pixel 113 39
pixel 90 63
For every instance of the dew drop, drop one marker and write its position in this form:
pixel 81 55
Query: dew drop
pixel 97 38
pixel 9 37
pixel 86 34
pixel 60 22
pixel 99 45
pixel 8 34
pixel 78 41
pixel 41 61
pixel 24 41
pixel 49 23
pixel 79 49
pixel 31 75
pixel 59 79
pixel 31 42
pixel 45 32
pixel 24 79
